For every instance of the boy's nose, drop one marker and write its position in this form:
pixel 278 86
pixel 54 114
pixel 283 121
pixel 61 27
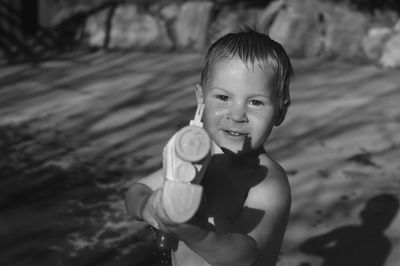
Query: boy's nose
pixel 237 113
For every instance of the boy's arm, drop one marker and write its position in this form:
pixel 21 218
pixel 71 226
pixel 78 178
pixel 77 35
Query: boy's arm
pixel 273 197
pixel 144 202
pixel 241 244
pixel 139 193
pixel 135 200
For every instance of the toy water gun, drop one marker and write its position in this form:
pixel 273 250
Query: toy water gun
pixel 185 158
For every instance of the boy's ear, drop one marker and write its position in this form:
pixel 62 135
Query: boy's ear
pixel 280 116
pixel 282 110
pixel 199 94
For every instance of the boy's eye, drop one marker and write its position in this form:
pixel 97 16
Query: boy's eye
pixel 222 98
pixel 256 103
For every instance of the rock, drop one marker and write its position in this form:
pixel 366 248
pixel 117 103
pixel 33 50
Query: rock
pixel 396 27
pixel 95 28
pixel 345 30
pixel 298 28
pixel 139 30
pixel 374 41
pixel 170 12
pixel 233 20
pixel 391 53
pixel 192 24
pixel 66 13
pixel 267 16
pixel 128 29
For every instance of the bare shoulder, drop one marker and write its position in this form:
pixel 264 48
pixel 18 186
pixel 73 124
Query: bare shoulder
pixel 153 181
pixel 272 198
pixel 274 189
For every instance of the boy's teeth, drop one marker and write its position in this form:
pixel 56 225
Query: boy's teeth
pixel 233 133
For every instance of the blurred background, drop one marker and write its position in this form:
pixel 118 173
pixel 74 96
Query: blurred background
pixel 91 91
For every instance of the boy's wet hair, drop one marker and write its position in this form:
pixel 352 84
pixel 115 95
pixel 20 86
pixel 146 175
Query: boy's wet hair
pixel 254 47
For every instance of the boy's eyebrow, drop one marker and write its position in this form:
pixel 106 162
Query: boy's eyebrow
pixel 251 95
pixel 218 88
pixel 259 95
pixel 222 89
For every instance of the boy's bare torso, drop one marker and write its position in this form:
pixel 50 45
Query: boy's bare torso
pixel 227 183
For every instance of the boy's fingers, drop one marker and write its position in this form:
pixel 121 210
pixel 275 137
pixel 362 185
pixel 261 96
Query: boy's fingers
pixel 149 213
pixel 152 213
pixel 161 216
pixel 156 215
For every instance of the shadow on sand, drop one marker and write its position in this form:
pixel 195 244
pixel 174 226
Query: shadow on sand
pixel 363 244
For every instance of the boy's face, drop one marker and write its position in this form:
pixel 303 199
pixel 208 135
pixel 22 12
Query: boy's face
pixel 240 105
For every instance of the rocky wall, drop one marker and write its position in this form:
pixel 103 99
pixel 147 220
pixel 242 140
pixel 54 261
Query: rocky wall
pixel 306 28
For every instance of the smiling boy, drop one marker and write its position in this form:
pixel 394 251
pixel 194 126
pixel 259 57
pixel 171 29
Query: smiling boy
pixel 246 195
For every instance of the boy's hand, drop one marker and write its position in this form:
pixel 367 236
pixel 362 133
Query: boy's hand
pixel 154 214
pixel 181 200
pixel 153 211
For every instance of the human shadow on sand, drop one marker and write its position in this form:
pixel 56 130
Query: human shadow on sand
pixel 353 245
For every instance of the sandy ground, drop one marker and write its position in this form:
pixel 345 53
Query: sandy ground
pixel 76 132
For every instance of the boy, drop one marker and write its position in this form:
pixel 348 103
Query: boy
pixel 246 196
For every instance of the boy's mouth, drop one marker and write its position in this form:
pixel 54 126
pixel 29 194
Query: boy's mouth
pixel 234 133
